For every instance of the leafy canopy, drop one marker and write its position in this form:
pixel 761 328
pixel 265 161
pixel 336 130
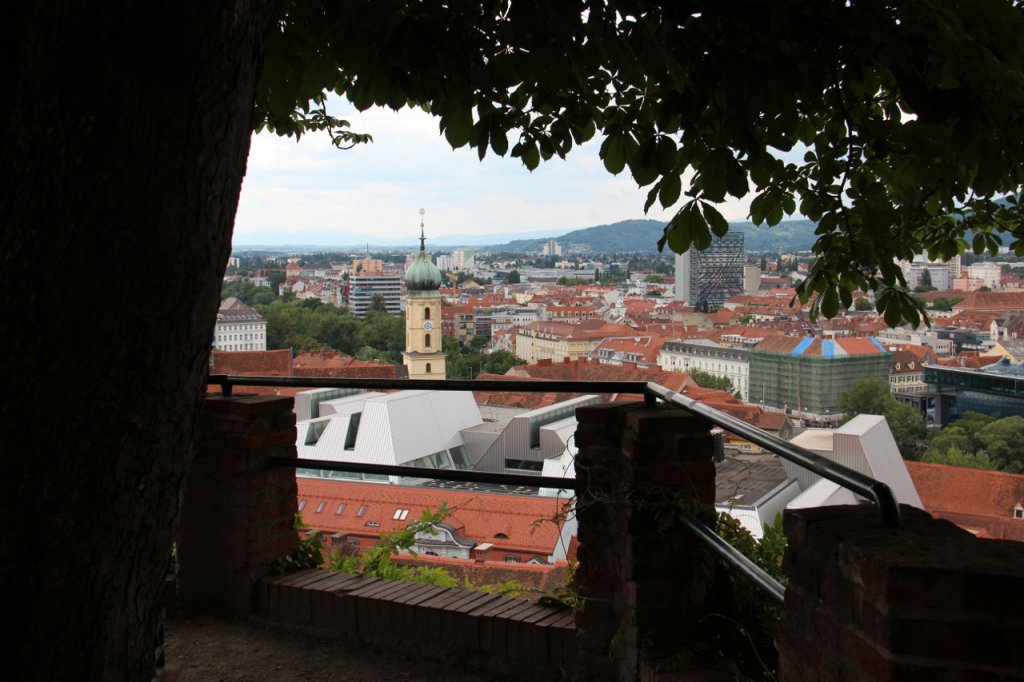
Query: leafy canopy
pixel 906 117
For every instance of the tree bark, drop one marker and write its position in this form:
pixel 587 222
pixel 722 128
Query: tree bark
pixel 127 131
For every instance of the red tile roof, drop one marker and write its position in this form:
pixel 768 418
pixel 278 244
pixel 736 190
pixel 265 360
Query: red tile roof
pixel 971 498
pixel 252 363
pixel 510 522
pixel 991 301
pixel 329 363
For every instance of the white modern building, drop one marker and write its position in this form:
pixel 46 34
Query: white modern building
pixel 729 362
pixel 864 444
pixel 429 429
pixel 239 327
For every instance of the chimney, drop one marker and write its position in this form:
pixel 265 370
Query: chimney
pixel 481 552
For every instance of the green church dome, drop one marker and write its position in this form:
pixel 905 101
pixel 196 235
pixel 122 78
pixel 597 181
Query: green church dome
pixel 422 275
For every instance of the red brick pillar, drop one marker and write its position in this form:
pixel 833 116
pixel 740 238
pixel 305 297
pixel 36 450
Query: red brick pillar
pixel 926 601
pixel 238 514
pixel 636 467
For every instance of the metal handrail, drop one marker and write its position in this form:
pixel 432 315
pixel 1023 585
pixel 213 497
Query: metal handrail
pixel 731 555
pixel 863 485
pixel 844 476
pixel 888 508
pixel 227 382
pixel 422 472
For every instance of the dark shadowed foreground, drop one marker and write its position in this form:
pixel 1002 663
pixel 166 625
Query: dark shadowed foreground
pixel 254 651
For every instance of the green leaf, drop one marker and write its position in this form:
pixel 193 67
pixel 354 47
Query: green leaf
pixel 829 303
pixel 499 141
pixel 613 153
pixel 893 314
pixel 458 127
pixel 652 196
pixel 671 186
pixel 735 178
pixel 719 225
pixel 713 177
pixel 531 156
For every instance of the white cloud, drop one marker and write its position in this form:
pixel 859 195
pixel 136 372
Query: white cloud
pixel 377 189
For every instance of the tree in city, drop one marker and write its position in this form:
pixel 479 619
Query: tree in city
pixel 944 304
pixel 1003 442
pixel 709 380
pixel 127 130
pixel 862 304
pixel 870 395
pixel 512 277
pixel 980 441
pixel 955 457
pixel 926 282
pixel 378 303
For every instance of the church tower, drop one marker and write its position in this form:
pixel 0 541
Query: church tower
pixel 423 356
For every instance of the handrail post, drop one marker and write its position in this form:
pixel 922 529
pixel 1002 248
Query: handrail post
pixel 635 469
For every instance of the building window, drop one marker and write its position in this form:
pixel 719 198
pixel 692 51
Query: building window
pixel 341 508
pixel 509 559
pixel 302 505
pixel 320 507
pixel 428 368
pixel 426 313
pixel 401 515
pixel 426 340
pixel 362 510
pixel 1018 512
pixel 353 430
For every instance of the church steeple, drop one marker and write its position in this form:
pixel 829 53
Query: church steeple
pixel 423 356
pixel 422 274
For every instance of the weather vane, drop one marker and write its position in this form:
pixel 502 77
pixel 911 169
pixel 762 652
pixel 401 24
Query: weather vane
pixel 423 240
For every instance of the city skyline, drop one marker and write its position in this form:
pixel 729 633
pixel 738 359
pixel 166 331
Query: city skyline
pixel 310 192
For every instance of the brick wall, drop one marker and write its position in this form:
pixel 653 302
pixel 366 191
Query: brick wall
pixel 926 601
pixel 636 467
pixel 238 514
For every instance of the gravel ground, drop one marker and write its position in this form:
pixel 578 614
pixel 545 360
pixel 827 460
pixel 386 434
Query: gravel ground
pixel 254 651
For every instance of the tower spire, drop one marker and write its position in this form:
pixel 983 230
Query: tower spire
pixel 423 240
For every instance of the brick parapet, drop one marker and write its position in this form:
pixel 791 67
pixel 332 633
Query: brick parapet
pixel 238 512
pixel 637 466
pixel 520 637
pixel 926 600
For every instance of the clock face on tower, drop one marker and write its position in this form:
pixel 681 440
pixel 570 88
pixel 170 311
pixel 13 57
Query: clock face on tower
pixel 428 325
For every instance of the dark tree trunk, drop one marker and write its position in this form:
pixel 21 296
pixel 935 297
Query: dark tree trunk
pixel 127 129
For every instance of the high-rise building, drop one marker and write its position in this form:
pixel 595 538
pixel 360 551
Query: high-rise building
pixel 552 248
pixel 463 259
pixel 445 262
pixel 362 289
pixel 712 275
pixel 423 356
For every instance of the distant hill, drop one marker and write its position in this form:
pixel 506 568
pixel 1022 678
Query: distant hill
pixel 641 236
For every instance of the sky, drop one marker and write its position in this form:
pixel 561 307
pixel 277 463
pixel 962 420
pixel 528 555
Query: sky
pixel 313 193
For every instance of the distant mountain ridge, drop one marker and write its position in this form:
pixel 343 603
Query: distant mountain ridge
pixel 625 236
pixel 641 236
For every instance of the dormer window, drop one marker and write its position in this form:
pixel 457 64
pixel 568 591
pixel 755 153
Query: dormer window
pixel 1018 511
